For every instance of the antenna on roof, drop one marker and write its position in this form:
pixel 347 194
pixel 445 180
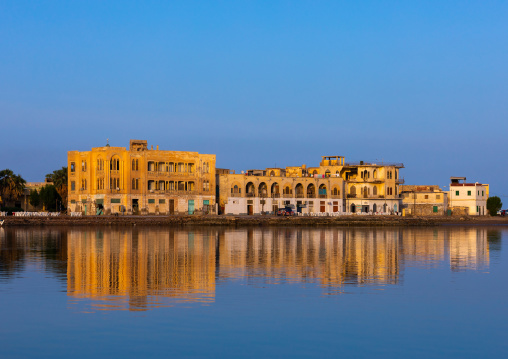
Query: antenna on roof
pixel 107 142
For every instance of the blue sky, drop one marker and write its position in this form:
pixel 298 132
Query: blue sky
pixel 260 83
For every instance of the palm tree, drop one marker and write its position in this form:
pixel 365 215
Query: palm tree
pixel 59 179
pixel 11 185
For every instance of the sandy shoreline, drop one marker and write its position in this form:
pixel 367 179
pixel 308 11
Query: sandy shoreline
pixel 236 221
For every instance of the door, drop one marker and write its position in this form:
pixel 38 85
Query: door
pixel 335 206
pixel 250 209
pixel 171 206
pixel 135 206
pixel 191 206
pixel 322 206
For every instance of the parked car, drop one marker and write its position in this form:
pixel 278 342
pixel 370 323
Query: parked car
pixel 287 211
pixel 503 212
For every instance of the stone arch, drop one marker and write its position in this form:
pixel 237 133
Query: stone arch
pixel 352 191
pixel 272 173
pixel 336 191
pixel 274 189
pixel 286 189
pixel 250 189
pixel 299 190
pixel 322 190
pixel 374 174
pixel 311 191
pixel 262 190
pixel 327 173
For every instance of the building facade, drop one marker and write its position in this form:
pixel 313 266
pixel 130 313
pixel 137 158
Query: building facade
pixel 468 198
pixel 333 187
pixel 139 180
pixel 424 200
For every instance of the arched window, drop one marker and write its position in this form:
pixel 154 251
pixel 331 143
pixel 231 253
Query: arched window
pixel 352 191
pixel 272 173
pixel 374 191
pixel 374 174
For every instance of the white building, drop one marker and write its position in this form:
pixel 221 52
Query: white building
pixel 472 196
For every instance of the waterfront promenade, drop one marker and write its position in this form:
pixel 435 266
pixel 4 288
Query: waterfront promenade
pixel 235 221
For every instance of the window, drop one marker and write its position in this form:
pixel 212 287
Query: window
pixel 162 201
pixel 73 167
pixel 73 186
pixel 114 183
pixel 482 193
pixel 100 183
pixel 135 165
pixel 83 184
pixel 114 165
pixel 477 209
pixel 100 164
pixel 434 209
pixel 83 166
pixel 456 193
pixel 151 200
pixel 438 196
pixel 469 193
pixel 426 196
pixel 115 200
pixel 135 183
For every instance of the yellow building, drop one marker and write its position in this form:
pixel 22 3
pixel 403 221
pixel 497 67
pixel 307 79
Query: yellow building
pixel 333 187
pixel 424 200
pixel 140 180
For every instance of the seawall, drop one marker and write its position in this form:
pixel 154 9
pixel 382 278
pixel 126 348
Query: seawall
pixel 237 221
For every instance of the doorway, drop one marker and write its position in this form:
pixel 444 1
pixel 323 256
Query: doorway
pixel 191 206
pixel 250 209
pixel 135 206
pixel 171 206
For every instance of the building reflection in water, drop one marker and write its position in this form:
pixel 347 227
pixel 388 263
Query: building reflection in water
pixel 146 268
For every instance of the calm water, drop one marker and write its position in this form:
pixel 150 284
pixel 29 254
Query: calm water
pixel 102 292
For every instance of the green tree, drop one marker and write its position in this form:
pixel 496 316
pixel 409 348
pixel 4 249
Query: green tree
pixel 11 186
pixel 494 204
pixel 59 179
pixel 34 198
pixel 49 197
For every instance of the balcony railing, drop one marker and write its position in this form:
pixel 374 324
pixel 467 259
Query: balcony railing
pixel 311 195
pixel 351 195
pixel 250 194
pixel 287 195
pixel 400 181
pixel 275 195
pixel 299 195
pixel 323 196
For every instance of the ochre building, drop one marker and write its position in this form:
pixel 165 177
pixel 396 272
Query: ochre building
pixel 140 180
pixel 333 187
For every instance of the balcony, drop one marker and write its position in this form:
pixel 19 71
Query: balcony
pixel 323 196
pixel 400 181
pixel 250 194
pixel 351 195
pixel 299 195
pixel 275 195
pixel 287 195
